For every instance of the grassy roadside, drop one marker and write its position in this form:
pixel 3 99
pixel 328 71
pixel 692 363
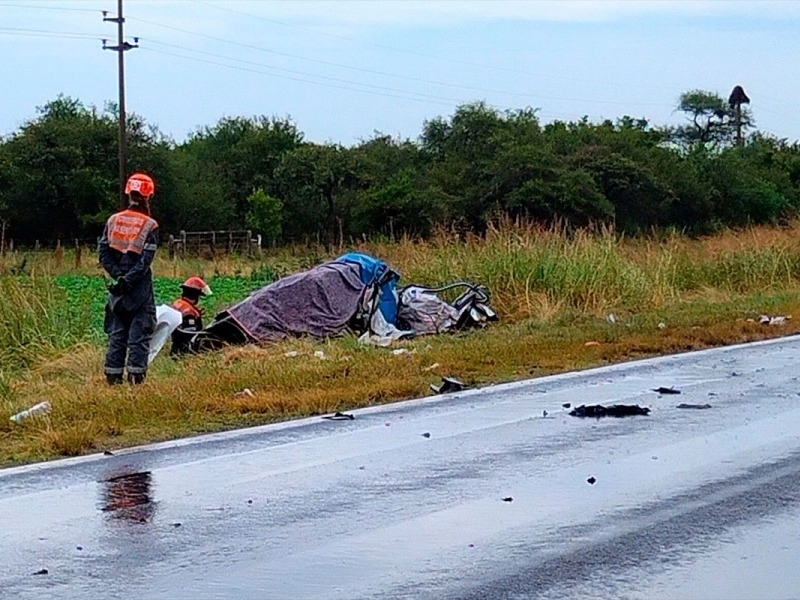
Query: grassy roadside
pixel 553 291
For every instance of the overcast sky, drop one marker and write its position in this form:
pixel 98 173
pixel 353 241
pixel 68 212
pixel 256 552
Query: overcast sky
pixel 342 71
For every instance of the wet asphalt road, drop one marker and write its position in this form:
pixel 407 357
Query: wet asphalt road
pixel 494 503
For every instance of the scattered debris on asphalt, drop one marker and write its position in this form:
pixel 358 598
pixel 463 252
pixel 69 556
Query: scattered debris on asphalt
pixel 426 435
pixel 79 548
pixel 666 390
pixel 544 414
pixel 591 481
pixel 449 384
pixel 566 405
pixel 615 410
pixel 176 525
pixel 108 453
pixel 508 499
pixel 339 416
pixel 695 406
pixel 41 572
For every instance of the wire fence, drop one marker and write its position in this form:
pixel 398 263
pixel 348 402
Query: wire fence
pixel 187 243
pixel 215 243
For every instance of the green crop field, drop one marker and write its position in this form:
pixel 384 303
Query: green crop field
pixel 86 294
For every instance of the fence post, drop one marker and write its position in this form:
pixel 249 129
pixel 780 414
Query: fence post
pixel 59 254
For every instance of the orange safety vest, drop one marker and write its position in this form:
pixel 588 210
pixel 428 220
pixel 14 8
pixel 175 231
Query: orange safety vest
pixel 127 231
pixel 187 308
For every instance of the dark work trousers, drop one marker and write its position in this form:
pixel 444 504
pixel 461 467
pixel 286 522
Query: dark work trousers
pixel 129 333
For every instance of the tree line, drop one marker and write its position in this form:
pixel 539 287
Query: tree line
pixel 58 174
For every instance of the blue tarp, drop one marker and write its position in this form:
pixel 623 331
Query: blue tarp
pixel 374 271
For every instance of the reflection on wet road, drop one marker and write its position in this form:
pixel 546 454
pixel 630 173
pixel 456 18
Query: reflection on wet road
pixel 126 495
pixel 497 493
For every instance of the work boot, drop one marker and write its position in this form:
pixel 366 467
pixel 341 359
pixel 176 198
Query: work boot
pixel 115 379
pixel 136 378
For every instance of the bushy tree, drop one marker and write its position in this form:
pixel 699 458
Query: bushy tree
pixel 265 215
pixel 63 172
pixel 227 161
pixel 318 184
pixel 711 121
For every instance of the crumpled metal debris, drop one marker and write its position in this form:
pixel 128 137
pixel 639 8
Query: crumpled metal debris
pixel 449 384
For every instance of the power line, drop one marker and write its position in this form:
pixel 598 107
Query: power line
pixel 301 76
pixel 413 96
pixel 50 33
pixel 302 73
pixel 338 84
pixel 393 75
pixel 401 94
pixel 417 53
pixel 294 75
pixel 535 97
pixel 42 7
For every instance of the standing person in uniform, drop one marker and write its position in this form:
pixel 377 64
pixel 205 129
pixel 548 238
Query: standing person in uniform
pixel 126 250
pixel 188 304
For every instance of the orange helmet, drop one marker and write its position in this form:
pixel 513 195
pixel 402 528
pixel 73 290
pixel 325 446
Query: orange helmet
pixel 196 283
pixel 139 182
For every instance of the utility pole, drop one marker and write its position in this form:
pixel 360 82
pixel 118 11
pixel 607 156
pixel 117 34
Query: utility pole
pixel 735 100
pixel 121 47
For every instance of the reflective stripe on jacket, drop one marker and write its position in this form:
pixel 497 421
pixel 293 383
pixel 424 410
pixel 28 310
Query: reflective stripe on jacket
pixel 127 231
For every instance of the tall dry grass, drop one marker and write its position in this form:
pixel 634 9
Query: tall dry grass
pixel 553 289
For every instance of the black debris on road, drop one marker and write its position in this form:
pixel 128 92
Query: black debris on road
pixel 666 390
pixel 339 416
pixel 615 410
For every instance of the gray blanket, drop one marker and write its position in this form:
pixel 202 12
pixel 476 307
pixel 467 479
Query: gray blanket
pixel 318 302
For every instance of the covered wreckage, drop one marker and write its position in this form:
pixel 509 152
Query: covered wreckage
pixel 356 293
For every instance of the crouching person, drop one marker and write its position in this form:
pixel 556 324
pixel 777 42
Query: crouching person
pixel 192 290
pixel 126 251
